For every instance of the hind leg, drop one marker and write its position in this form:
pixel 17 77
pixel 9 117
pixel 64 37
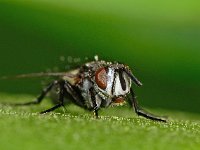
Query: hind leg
pixel 40 97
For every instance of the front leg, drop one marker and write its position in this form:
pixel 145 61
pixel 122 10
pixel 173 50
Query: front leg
pixel 95 106
pixel 142 112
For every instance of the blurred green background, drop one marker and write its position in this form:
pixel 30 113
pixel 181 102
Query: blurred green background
pixel 159 40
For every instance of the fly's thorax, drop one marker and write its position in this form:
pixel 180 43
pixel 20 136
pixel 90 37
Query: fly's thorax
pixel 101 99
pixel 84 87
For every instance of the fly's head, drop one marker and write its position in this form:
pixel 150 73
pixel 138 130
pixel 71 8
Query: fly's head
pixel 114 81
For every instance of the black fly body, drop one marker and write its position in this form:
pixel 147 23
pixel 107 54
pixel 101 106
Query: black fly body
pixel 94 85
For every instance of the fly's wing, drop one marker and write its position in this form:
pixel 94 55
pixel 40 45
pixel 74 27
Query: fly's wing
pixel 31 75
pixel 71 76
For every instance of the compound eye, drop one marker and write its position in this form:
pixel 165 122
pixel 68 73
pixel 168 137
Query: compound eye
pixel 101 78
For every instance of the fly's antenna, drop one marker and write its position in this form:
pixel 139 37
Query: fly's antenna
pixel 40 74
pixel 133 78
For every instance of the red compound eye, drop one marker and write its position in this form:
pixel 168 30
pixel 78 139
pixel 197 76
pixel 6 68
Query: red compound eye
pixel 101 78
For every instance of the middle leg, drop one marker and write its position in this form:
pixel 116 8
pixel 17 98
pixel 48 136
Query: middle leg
pixel 61 100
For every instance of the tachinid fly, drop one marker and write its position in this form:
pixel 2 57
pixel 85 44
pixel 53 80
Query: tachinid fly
pixel 94 85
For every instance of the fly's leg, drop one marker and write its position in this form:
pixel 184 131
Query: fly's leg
pixel 95 110
pixel 39 98
pixel 61 100
pixel 142 112
pixel 76 97
pixel 95 107
pixel 52 109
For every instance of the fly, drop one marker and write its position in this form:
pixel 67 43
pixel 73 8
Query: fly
pixel 94 85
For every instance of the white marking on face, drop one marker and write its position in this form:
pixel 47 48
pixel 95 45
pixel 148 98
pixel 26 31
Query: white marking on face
pixel 118 87
pixel 110 78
